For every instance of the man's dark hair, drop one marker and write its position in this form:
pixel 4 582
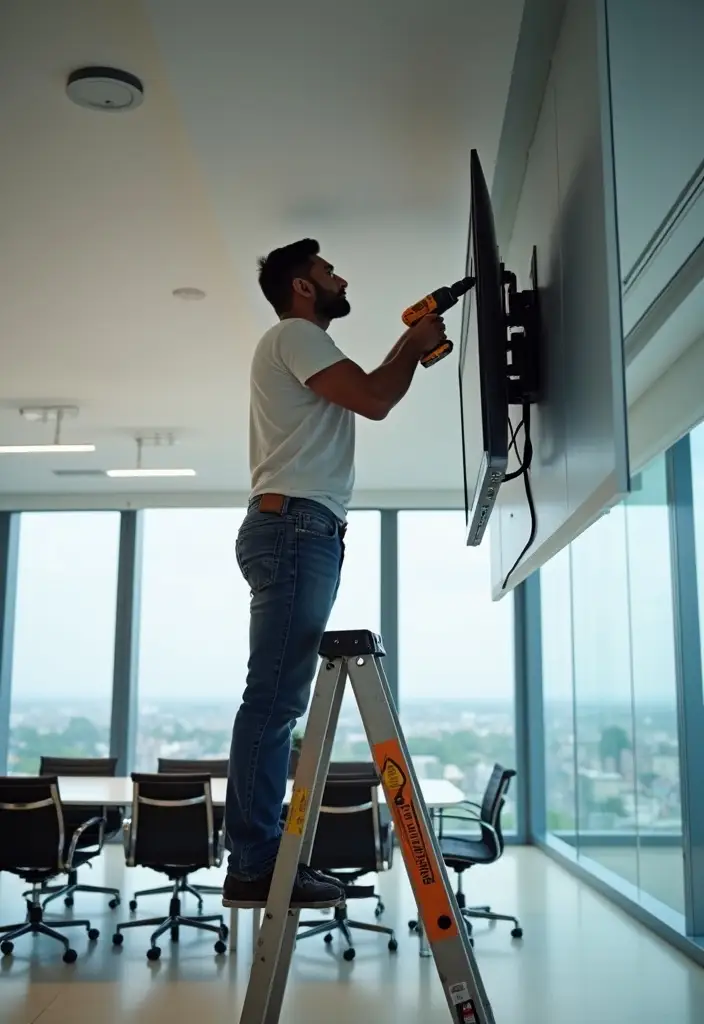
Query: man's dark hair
pixel 278 270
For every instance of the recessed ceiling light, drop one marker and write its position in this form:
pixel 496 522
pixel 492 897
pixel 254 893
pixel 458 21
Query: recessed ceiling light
pixel 108 89
pixel 188 294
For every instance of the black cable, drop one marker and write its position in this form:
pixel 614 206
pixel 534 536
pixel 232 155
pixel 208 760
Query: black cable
pixel 524 472
pixel 514 445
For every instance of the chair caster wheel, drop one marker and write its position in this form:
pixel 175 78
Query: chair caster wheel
pixel 118 938
pixel 93 934
pixel 349 954
pixel 220 947
pixel 70 956
pixel 6 948
pixel 413 925
pixel 393 945
pixel 114 902
pixel 517 933
pixel 153 953
pixel 133 904
pixel 68 902
pixel 224 931
pixel 328 939
pixel 379 910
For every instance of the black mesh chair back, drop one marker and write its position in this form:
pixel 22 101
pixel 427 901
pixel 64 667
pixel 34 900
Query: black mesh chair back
pixel 93 766
pixel 215 767
pixel 492 805
pixel 349 827
pixel 31 825
pixel 172 822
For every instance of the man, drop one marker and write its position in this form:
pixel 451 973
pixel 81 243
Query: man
pixel 304 396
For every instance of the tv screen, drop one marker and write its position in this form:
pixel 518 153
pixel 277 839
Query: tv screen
pixel 483 365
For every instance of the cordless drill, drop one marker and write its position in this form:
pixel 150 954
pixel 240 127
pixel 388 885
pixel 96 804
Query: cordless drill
pixel 437 302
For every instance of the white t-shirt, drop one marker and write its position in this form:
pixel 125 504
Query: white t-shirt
pixel 300 445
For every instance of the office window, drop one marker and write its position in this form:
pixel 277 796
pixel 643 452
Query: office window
pixel 194 636
pixel 456 656
pixel 193 640
pixel 612 763
pixel 601 639
pixel 64 636
pixel 558 697
pixel 655 724
pixel 697 449
pixel 358 606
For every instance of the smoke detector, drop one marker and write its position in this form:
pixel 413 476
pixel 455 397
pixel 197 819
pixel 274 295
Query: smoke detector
pixel 107 89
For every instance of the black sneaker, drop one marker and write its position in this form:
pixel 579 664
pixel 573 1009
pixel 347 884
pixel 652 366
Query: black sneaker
pixel 309 890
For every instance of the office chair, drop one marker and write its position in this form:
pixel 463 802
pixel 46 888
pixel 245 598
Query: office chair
pixel 76 814
pixel 216 769
pixel 35 846
pixel 351 841
pixel 461 852
pixel 172 830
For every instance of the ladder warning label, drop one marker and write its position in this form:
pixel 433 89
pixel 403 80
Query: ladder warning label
pixel 466 1014
pixel 296 820
pixel 419 854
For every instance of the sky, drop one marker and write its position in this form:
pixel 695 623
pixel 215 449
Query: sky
pixel 606 600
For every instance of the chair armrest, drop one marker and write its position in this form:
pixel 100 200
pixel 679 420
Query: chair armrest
pixel 469 812
pixel 79 832
pixel 220 851
pixel 126 837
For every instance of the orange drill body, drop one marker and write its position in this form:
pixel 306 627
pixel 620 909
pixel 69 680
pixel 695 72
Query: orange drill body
pixel 437 302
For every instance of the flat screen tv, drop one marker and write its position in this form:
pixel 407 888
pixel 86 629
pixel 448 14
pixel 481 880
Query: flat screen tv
pixel 483 365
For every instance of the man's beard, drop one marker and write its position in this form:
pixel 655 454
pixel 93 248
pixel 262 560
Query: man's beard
pixel 331 305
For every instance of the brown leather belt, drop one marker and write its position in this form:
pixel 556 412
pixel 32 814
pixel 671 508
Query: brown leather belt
pixel 272 503
pixel 275 503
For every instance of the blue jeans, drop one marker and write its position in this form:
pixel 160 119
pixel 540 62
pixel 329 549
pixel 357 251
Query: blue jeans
pixel 292 563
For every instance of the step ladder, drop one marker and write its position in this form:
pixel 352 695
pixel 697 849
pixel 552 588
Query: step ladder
pixel 357 654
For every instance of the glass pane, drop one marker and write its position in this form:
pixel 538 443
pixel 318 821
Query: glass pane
pixel 697 449
pixel 358 606
pixel 456 667
pixel 606 791
pixel 656 747
pixel 64 637
pixel 193 642
pixel 194 637
pixel 558 697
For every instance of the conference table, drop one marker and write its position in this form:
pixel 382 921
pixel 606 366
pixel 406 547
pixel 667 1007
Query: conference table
pixel 117 792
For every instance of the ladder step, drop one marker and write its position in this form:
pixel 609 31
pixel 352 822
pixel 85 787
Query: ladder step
pixel 348 643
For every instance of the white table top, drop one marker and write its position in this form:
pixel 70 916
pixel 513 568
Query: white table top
pixel 80 789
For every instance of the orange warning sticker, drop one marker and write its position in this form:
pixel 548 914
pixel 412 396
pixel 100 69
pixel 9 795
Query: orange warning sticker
pixel 418 853
pixel 296 819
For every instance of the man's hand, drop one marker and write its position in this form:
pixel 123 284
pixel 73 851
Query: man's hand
pixel 425 336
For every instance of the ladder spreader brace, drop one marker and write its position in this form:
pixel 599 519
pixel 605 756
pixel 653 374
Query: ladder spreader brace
pixel 357 654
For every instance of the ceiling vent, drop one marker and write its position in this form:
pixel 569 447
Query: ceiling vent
pixel 106 89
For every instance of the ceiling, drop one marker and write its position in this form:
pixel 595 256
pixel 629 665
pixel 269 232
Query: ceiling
pixel 351 123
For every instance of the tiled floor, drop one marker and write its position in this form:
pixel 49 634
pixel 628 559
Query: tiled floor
pixel 581 962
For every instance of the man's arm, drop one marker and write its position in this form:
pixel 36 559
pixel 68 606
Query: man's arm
pixel 373 395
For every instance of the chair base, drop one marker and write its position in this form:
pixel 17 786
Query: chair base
pixel 343 924
pixel 487 914
pixel 172 923
pixel 199 891
pixel 34 925
pixel 73 886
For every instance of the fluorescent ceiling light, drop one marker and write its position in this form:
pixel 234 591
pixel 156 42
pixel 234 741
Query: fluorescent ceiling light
pixel 121 473
pixel 58 449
